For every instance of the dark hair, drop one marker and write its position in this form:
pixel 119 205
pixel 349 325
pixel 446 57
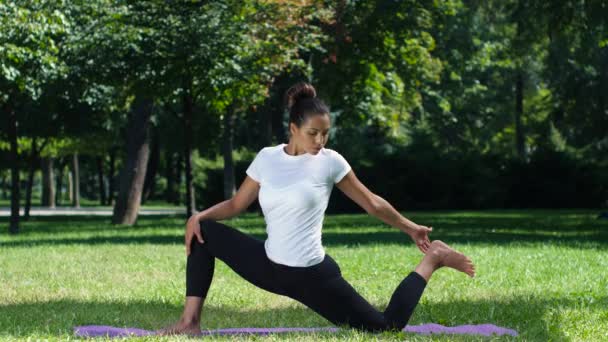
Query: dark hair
pixel 302 102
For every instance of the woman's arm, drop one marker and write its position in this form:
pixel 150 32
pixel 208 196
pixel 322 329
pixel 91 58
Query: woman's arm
pixel 221 211
pixel 380 208
pixel 387 213
pixel 246 194
pixel 224 210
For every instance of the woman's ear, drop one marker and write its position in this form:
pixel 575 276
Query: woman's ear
pixel 293 128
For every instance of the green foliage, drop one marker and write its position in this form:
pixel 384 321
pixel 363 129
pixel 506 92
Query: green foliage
pixel 381 54
pixel 577 74
pixel 203 166
pixel 208 173
pixel 30 36
pixel 397 74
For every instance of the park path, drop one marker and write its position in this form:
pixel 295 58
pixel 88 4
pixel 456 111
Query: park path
pixel 102 211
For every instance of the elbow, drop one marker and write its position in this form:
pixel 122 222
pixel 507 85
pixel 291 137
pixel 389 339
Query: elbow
pixel 233 207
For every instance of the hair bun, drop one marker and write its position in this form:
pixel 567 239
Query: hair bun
pixel 298 91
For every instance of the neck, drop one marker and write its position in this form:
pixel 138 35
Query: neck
pixel 293 149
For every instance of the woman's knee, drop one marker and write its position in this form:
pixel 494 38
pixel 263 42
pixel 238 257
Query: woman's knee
pixel 219 235
pixel 206 226
pixel 207 222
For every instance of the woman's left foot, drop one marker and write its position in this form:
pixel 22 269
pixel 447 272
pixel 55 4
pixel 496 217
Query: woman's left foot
pixel 449 257
pixel 181 327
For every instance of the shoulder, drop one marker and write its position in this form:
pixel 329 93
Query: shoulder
pixel 268 151
pixel 333 154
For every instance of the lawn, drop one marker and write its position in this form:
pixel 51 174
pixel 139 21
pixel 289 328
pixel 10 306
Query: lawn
pixel 540 272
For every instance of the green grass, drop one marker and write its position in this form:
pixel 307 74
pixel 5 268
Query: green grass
pixel 540 272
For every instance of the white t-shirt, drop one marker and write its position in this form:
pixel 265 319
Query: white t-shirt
pixel 294 192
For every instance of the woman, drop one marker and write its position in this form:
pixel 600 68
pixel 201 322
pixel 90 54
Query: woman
pixel 294 182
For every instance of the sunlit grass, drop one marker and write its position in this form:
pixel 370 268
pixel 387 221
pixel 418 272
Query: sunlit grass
pixel 540 272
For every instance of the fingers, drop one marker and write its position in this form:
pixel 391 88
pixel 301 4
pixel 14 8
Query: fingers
pixel 188 242
pixel 189 236
pixel 424 249
pixel 199 236
pixel 421 249
pixel 421 238
pixel 423 246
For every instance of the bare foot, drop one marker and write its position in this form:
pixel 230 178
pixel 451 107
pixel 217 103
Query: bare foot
pixel 447 256
pixel 181 327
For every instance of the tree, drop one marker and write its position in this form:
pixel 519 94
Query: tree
pixel 250 63
pixel 118 46
pixel 30 32
pixel 375 68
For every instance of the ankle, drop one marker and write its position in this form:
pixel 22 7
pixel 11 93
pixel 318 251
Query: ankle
pixel 434 258
pixel 190 320
pixel 192 310
pixel 440 263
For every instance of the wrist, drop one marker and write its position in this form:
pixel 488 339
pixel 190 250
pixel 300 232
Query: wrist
pixel 199 216
pixel 413 229
pixel 408 226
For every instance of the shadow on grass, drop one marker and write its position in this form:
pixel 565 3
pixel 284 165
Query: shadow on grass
pixel 530 317
pixel 78 224
pixel 597 240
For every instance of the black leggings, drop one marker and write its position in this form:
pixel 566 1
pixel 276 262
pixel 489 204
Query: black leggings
pixel 320 287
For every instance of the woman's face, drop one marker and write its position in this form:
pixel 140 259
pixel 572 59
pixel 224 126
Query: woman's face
pixel 313 134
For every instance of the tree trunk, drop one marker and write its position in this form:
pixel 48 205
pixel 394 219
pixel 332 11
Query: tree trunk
pixel 111 171
pixel 229 187
pixel 75 181
pixel 30 181
pixel 519 93
pixel 169 192
pixel 188 135
pixel 70 186
pixel 102 189
pixel 519 112
pixel 12 161
pixel 59 192
pixel 48 183
pixel 150 182
pixel 178 177
pixel 134 170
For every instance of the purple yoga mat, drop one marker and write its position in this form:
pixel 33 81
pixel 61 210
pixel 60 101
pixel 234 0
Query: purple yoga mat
pixel 429 328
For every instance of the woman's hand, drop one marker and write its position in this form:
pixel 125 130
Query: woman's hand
pixel 420 235
pixel 193 228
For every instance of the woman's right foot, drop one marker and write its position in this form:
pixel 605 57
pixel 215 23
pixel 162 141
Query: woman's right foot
pixel 181 327
pixel 446 256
